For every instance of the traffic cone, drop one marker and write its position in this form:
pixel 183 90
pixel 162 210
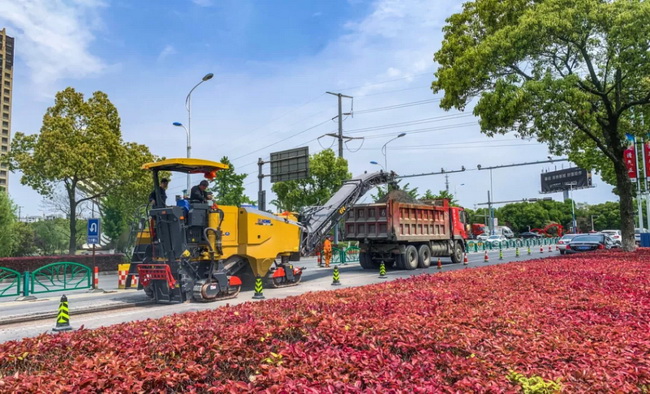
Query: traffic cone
pixel 541 249
pixel 320 259
pixel 529 250
pixel 486 258
pixel 63 317
pixel 439 264
pixel 517 251
pixel 465 261
pixel 382 271
pixel 549 249
pixel 500 254
pixel 258 289
pixel 336 277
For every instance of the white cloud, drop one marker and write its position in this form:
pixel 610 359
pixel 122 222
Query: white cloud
pixel 203 3
pixel 167 51
pixel 53 38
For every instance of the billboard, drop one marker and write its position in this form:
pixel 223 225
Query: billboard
pixel 629 155
pixel 570 178
pixel 290 165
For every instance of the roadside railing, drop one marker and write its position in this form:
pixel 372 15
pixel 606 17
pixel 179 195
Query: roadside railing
pixel 50 278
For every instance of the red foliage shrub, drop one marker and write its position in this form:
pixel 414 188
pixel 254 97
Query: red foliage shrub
pixel 583 319
pixel 105 262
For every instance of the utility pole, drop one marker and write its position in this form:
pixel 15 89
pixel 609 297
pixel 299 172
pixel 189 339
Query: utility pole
pixel 447 182
pixel 340 137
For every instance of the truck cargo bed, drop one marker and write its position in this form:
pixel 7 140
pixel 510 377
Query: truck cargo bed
pixel 398 221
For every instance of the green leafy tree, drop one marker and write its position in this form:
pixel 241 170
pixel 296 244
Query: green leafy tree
pixel 228 186
pixel 7 224
pixel 122 205
pixel 605 216
pixel 381 190
pixel 570 73
pixel 51 236
pixel 80 143
pixel 326 175
pixel 24 240
pixel 428 195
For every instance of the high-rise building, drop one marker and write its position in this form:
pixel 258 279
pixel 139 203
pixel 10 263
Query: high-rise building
pixel 6 87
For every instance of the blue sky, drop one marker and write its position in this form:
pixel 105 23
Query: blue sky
pixel 273 61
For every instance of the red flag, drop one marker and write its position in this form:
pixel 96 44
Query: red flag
pixel 646 152
pixel 629 155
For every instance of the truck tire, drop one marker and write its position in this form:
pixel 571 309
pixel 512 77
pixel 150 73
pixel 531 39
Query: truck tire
pixel 457 253
pixel 365 261
pixel 424 256
pixel 410 258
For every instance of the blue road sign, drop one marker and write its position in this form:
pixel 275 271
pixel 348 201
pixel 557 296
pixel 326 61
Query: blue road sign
pixel 93 231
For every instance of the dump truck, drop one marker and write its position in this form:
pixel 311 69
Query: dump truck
pixel 406 234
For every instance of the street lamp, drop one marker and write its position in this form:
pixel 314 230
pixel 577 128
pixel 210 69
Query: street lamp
pixel 456 187
pixel 383 149
pixel 592 222
pixel 187 134
pixel 188 106
pixel 573 209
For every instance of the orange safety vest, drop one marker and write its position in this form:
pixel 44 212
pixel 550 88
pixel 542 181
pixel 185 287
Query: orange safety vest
pixel 327 245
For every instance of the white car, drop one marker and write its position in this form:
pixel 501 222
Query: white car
pixel 564 241
pixel 496 240
pixel 482 237
pixel 615 235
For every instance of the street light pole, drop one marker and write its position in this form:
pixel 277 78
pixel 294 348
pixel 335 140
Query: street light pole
pixel 383 149
pixel 188 106
pixel 592 222
pixel 573 209
pixel 187 134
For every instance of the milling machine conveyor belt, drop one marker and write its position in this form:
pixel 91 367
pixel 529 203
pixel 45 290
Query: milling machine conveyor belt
pixel 318 221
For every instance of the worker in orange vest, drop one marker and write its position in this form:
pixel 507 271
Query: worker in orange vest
pixel 327 251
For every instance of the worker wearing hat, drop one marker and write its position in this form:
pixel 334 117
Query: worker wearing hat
pixel 198 193
pixel 163 194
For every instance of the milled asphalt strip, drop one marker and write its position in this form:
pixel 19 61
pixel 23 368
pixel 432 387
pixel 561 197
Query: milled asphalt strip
pixel 13 319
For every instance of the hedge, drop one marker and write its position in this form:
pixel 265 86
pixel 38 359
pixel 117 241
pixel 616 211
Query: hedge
pixel 105 262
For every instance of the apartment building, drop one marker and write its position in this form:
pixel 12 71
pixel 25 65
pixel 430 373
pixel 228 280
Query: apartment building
pixel 6 88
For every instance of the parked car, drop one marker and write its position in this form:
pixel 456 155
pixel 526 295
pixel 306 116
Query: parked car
pixel 637 234
pixel 564 241
pixel 615 235
pixel 530 234
pixel 586 243
pixel 496 240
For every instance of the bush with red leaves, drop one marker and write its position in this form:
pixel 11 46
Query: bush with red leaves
pixel 582 321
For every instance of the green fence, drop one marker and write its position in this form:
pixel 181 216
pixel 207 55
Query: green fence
pixel 60 276
pixel 345 255
pixel 10 284
pixel 476 246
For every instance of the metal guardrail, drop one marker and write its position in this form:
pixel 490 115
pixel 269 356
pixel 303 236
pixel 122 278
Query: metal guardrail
pixel 10 284
pixel 476 246
pixel 345 255
pixel 60 276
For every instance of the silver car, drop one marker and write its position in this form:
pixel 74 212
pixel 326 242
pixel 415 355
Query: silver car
pixel 564 241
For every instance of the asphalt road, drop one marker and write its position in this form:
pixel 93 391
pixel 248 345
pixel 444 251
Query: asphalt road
pixel 20 319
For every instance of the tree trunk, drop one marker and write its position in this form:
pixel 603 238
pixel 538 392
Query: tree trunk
pixel 72 245
pixel 626 204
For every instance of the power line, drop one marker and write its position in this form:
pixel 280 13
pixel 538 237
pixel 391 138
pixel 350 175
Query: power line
pixel 410 123
pixel 396 106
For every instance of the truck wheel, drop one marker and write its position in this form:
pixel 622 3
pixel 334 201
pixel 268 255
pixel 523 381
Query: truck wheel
pixel 410 258
pixel 457 253
pixel 365 261
pixel 424 256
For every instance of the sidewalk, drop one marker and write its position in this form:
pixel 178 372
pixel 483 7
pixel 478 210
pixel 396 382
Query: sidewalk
pixel 79 301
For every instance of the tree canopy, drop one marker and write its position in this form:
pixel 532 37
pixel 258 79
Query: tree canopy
pixel 326 175
pixel 229 186
pixel 571 73
pixel 7 224
pixel 80 143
